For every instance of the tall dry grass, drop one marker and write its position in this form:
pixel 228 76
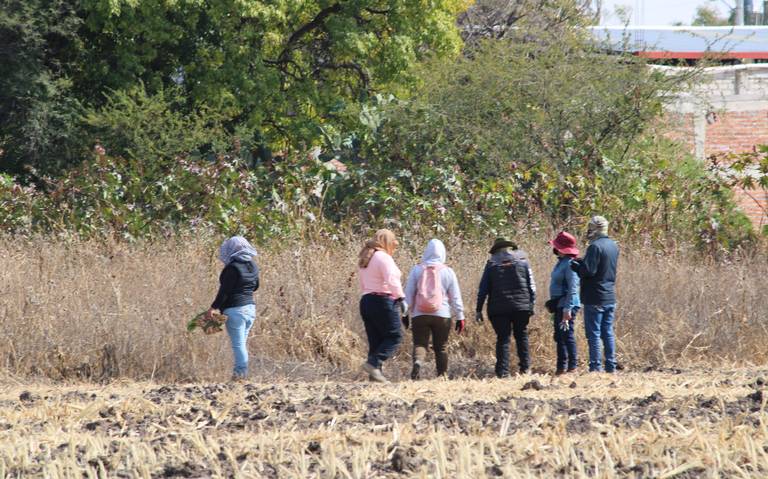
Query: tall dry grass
pixel 97 311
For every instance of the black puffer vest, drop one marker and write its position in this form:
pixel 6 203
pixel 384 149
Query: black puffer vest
pixel 509 289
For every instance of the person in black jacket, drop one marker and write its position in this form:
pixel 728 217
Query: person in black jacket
pixel 598 293
pixel 237 283
pixel 508 284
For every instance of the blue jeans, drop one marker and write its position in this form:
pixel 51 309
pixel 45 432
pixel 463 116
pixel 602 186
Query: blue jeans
pixel 239 322
pixel 565 341
pixel 382 326
pixel 598 324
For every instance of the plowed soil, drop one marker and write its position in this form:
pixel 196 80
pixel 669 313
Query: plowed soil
pixel 679 423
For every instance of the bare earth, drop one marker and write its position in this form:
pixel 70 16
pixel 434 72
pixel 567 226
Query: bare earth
pixel 681 424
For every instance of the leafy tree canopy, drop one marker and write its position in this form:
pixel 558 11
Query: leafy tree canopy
pixel 274 70
pixel 38 45
pixel 282 67
pixel 707 15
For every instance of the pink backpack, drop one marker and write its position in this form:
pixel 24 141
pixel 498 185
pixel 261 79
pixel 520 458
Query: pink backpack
pixel 429 291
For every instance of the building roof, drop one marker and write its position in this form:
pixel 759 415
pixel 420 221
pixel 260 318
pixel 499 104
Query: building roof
pixel 685 42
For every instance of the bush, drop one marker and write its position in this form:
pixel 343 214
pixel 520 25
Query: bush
pixel 155 128
pixel 534 131
pixel 539 133
pixel 130 199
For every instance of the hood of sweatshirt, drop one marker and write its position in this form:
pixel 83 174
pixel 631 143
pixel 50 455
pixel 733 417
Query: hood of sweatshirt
pixel 434 253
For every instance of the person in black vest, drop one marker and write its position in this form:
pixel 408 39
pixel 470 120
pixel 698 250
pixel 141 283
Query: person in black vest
pixel 598 293
pixel 238 281
pixel 508 284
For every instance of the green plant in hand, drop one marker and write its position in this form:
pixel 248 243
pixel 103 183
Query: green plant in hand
pixel 211 325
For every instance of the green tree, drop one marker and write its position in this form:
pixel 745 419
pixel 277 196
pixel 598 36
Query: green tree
pixel 154 128
pixel 500 19
pixel 282 68
pixel 273 71
pixel 542 127
pixel 38 45
pixel 708 15
pixel 558 100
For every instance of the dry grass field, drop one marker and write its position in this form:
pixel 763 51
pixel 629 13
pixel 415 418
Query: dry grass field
pixel 98 377
pixel 94 311
pixel 674 424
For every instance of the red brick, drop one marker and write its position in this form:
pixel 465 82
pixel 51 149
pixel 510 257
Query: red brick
pixel 731 132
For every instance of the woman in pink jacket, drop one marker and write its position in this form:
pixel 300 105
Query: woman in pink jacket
pixel 381 301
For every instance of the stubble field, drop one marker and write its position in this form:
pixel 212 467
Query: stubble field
pixel 682 424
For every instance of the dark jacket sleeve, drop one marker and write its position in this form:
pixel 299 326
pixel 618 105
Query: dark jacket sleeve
pixel 589 265
pixel 258 277
pixel 484 288
pixel 227 282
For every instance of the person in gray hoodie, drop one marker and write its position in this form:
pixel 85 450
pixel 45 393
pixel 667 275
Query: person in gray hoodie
pixel 508 284
pixel 431 310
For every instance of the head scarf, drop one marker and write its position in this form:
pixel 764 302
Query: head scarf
pixel 236 248
pixel 434 254
pixel 383 240
pixel 597 227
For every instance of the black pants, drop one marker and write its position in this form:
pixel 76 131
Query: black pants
pixel 566 342
pixel 505 325
pixel 382 326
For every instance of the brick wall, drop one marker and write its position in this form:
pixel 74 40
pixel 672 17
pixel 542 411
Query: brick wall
pixel 754 204
pixel 738 132
pixel 728 132
pixel 726 113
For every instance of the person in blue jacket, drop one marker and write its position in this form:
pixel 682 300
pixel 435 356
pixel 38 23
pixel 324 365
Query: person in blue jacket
pixel 598 293
pixel 564 301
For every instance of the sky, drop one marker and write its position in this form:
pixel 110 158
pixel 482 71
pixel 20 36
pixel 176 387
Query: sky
pixel 664 12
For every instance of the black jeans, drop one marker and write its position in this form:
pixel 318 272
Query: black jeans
pixel 565 341
pixel 505 325
pixel 382 326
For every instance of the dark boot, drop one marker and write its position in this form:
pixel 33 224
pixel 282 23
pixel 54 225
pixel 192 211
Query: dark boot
pixel 416 371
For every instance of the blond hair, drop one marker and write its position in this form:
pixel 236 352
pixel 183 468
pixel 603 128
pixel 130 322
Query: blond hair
pixel 383 240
